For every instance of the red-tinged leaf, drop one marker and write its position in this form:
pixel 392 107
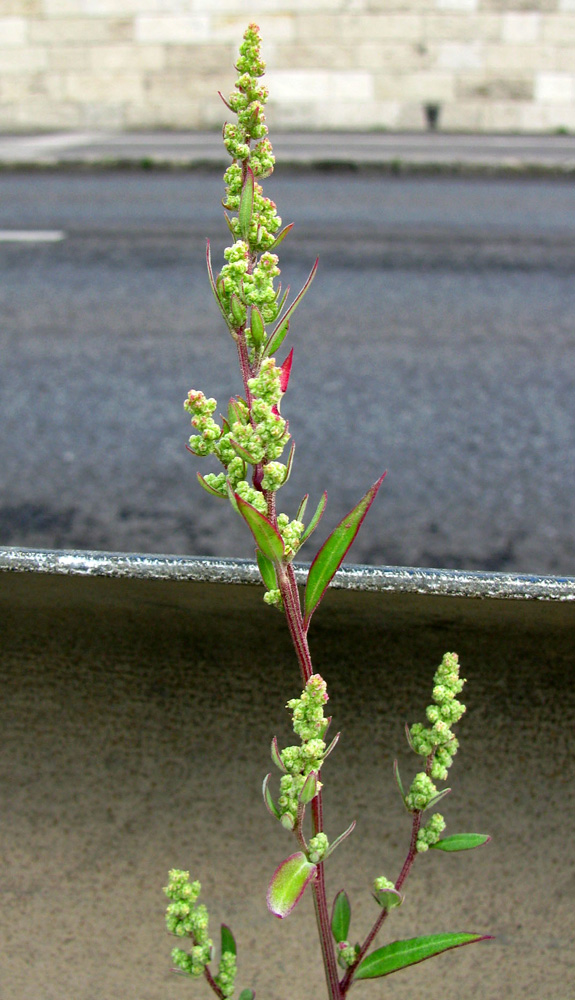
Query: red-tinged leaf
pixel 267 571
pixel 228 942
pixel 270 804
pixel 339 840
pixel 243 452
pixel 288 884
pixel 276 339
pixel 289 463
pixel 461 842
pixel 301 508
pixel 246 204
pixel 215 291
pixel 340 916
pixel 316 517
pixel 388 898
pixel 229 222
pixel 309 789
pixel 257 328
pixel 285 370
pixel 207 487
pixel 333 551
pixel 225 102
pixel 400 954
pixel 332 746
pixel 239 311
pixel 267 537
pixel 281 236
pixel 237 412
pixel 276 756
pixel 291 309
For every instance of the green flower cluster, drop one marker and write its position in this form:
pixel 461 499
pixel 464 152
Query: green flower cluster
pixel 185 919
pixel 318 848
pixel 346 954
pixel 446 710
pixel 430 833
pixel 226 976
pixel 310 725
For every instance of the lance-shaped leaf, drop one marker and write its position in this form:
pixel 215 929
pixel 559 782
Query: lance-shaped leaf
pixel 289 463
pixel 247 995
pixel 339 840
pixel 246 204
pixel 267 537
pixel 309 789
pixel 437 798
pixel 237 411
pixel 285 370
pixel 301 508
pixel 316 517
pixel 281 236
pixel 400 954
pixel 267 571
pixel 340 916
pixel 331 746
pixel 257 328
pixel 228 940
pixel 461 842
pixel 276 756
pixel 244 453
pixel 215 292
pixel 288 884
pixel 333 551
pixel 270 804
pixel 208 488
pixel 282 325
pixel 398 779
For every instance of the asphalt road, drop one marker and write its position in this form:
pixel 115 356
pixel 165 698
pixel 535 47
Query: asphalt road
pixel 437 341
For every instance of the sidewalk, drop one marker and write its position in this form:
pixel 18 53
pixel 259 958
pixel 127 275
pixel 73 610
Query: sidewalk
pixel 421 152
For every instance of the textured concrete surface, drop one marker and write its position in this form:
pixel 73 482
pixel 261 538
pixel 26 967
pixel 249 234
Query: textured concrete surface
pixel 136 719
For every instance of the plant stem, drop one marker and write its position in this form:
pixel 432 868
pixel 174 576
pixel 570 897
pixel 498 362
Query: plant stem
pixel 212 983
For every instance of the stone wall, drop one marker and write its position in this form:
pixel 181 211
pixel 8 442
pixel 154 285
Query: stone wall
pixel 494 65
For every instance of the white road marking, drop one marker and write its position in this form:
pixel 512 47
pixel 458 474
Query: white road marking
pixel 31 235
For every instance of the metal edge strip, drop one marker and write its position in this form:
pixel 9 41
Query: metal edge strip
pixel 399 579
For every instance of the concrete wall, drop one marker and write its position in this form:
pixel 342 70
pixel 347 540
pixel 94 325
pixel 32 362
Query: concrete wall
pixel 131 64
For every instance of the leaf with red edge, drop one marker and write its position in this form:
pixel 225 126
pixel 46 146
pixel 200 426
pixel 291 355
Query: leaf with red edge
pixel 400 954
pixel 285 370
pixel 209 489
pixel 257 328
pixel 269 802
pixel 288 884
pixel 333 551
pixel 316 517
pixel 340 916
pixel 267 537
pixel 461 842
pixel 281 236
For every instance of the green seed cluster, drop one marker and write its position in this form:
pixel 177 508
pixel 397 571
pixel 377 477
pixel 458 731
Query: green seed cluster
pixel 346 954
pixel 318 848
pixel 446 710
pixel 185 919
pixel 226 976
pixel 430 833
pixel 421 793
pixel 310 725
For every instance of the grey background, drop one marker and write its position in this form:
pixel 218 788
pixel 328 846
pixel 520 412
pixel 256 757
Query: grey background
pixel 436 342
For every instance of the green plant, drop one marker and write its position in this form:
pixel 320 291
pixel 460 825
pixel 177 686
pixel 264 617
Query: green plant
pixel 249 443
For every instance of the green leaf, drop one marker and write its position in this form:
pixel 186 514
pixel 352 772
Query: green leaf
pixel 270 804
pixel 208 488
pixel 281 236
pixel 267 571
pixel 333 551
pixel 257 328
pixel 388 898
pixel 339 840
pixel 398 779
pixel 316 517
pixel 400 954
pixel 276 755
pixel 340 916
pixel 215 292
pixel 461 842
pixel 247 995
pixel 301 508
pixel 243 452
pixel 276 339
pixel 288 884
pixel 239 311
pixel 268 538
pixel 228 940
pixel 309 789
pixel 246 204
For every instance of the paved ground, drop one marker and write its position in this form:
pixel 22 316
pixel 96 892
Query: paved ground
pixel 430 150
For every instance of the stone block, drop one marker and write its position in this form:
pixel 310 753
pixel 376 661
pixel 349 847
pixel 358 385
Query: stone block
pixel 203 59
pixel 172 29
pixel 13 32
pixel 68 31
pixel 462 5
pixel 319 85
pixel 467 28
pixel 521 28
pixel 526 5
pixel 483 87
pixel 318 56
pixel 559 29
pixel 415 87
pixel 68 57
pixel 30 59
pixel 461 116
pixel 122 58
pixel 378 27
pixel 509 59
pixel 103 88
pixel 386 57
pixel 555 88
pixel 460 56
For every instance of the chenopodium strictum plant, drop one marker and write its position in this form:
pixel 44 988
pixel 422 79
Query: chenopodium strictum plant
pixel 251 443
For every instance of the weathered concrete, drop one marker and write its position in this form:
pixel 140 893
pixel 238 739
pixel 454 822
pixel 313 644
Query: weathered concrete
pixel 137 714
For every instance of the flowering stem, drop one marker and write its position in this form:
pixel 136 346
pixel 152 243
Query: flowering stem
pixel 212 983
